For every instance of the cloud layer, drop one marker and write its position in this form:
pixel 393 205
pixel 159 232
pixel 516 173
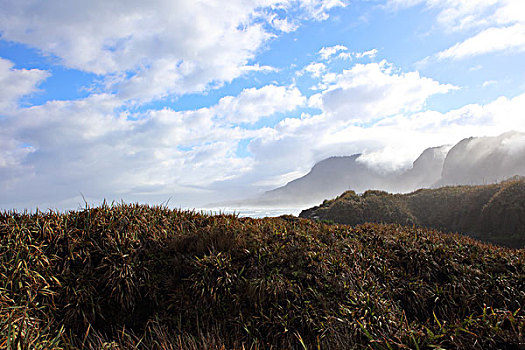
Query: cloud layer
pixel 149 50
pixel 129 139
pixel 17 83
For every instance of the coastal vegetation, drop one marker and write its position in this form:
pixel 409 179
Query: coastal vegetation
pixel 494 213
pixel 138 277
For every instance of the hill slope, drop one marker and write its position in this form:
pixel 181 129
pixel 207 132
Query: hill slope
pixel 334 175
pixel 484 160
pixel 135 277
pixel 494 213
pixel 472 161
pixel 330 177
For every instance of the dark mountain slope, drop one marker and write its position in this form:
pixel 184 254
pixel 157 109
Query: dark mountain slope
pixel 334 175
pixel 494 213
pixel 484 160
pixel 426 171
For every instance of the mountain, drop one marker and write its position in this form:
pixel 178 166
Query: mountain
pixel 327 178
pixel 484 160
pixel 425 171
pixel 334 175
pixel 494 213
pixel 472 161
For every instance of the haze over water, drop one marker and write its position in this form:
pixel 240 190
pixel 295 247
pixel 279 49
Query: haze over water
pixel 252 212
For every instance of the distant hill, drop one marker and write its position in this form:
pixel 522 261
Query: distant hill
pixel 493 213
pixel 334 175
pixel 329 178
pixel 139 277
pixel 472 161
pixel 426 171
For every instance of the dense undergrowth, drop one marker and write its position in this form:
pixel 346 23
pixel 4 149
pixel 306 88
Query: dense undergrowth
pixel 494 213
pixel 131 276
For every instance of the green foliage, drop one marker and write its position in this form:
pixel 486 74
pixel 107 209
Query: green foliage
pixel 492 213
pixel 138 277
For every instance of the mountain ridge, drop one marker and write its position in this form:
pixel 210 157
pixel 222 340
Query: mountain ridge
pixel 471 161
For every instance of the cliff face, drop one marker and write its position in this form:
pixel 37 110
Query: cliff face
pixel 332 176
pixel 484 160
pixel 472 161
pixel 493 213
pixel 426 170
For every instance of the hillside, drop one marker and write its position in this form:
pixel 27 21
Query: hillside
pixel 493 213
pixel 329 177
pixel 334 175
pixel 472 161
pixel 138 277
pixel 484 160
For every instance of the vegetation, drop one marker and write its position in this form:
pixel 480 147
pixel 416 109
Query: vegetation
pixel 493 213
pixel 138 277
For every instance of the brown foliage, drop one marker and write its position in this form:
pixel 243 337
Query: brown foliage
pixel 132 276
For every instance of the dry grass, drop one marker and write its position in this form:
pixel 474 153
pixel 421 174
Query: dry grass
pixel 132 276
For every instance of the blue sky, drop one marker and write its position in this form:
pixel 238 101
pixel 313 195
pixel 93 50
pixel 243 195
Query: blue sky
pixel 199 102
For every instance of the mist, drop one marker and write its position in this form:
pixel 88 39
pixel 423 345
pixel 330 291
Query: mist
pixel 472 161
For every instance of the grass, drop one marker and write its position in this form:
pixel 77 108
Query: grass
pixel 139 277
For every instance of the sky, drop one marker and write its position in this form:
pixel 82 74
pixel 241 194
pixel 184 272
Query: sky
pixel 188 102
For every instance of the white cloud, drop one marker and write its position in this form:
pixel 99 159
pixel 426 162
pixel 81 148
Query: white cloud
pixel 327 52
pixel 144 51
pixel 370 53
pixel 512 11
pixel 345 56
pixel 105 37
pixel 253 104
pixel 165 46
pixel 489 83
pixel 316 69
pixel 351 102
pixel 500 24
pixel 283 24
pixel 318 9
pixel 61 149
pixel 391 143
pixel 57 150
pixel 459 14
pixel 17 83
pixel 487 41
pixel 341 51
pixel 369 91
pixel 258 68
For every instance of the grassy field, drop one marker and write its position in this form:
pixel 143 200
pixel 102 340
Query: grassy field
pixel 132 276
